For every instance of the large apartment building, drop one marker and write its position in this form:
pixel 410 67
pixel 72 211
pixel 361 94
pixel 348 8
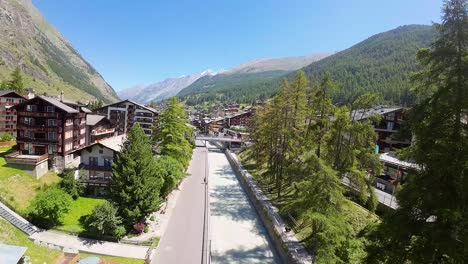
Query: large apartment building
pixel 49 129
pixel 125 113
pixel 8 117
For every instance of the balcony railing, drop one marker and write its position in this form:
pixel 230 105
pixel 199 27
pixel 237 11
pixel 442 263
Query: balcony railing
pixel 38 114
pixel 96 167
pixel 17 158
pixel 37 140
pixel 96 132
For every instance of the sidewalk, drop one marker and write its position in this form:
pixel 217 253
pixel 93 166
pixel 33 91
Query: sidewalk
pixel 61 241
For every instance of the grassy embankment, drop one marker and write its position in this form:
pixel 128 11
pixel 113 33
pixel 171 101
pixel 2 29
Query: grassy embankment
pixel 12 236
pixel 356 216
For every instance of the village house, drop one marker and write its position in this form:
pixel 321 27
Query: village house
pixel 96 161
pixel 8 118
pixel 125 113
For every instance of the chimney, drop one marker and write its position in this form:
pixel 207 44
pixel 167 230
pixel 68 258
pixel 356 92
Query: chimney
pixel 61 96
pixel 31 93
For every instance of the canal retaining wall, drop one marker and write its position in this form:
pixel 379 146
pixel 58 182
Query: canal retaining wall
pixel 288 246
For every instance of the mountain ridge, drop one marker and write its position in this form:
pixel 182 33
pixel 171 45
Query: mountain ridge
pixel 380 63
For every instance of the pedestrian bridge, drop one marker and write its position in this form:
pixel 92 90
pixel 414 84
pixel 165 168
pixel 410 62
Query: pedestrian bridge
pixel 219 139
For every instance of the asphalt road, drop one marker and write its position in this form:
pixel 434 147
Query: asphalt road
pixel 182 241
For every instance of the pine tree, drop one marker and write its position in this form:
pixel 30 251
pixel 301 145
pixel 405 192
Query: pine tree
pixel 136 185
pixel 16 83
pixel 431 224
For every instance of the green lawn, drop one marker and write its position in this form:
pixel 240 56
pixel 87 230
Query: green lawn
pixel 19 188
pixel 12 236
pixel 80 207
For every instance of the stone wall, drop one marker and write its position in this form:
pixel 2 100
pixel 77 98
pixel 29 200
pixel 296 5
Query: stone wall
pixel 286 243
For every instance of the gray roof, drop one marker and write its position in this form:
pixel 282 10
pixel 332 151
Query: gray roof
pixel 361 114
pixel 92 120
pixel 11 254
pixel 85 109
pixel 58 104
pixel 133 102
pixel 115 143
pixel 4 92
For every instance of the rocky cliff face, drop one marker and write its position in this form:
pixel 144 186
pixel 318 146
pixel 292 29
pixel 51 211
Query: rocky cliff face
pixel 49 61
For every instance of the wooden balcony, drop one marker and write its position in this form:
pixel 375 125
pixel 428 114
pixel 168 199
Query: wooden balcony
pixel 37 140
pixel 38 114
pixel 96 167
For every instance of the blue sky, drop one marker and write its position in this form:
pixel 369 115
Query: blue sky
pixel 141 42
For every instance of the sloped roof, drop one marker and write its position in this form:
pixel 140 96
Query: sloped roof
pixel 133 102
pixel 92 120
pixel 115 143
pixel 58 104
pixel 85 109
pixel 361 114
pixel 11 254
pixel 5 92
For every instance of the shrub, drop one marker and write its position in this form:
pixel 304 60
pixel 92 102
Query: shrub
pixel 49 206
pixel 151 218
pixel 146 229
pixel 139 227
pixel 105 221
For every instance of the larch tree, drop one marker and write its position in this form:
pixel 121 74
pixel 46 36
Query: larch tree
pixel 136 184
pixel 173 133
pixel 431 223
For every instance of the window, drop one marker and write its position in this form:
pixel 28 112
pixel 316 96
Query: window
pixel 107 163
pixel 101 151
pixel 29 134
pixel 50 108
pixel 52 149
pixel 9 100
pixel 31 108
pixel 93 161
pixel 28 148
pixel 69 122
pixel 52 122
pixel 52 136
pixel 92 175
pixel 29 121
pixel 390 126
pixel 107 175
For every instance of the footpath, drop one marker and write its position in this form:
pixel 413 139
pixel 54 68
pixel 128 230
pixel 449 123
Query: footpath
pixel 60 241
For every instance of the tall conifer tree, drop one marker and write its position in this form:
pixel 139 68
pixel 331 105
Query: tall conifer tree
pixel 431 224
pixel 136 184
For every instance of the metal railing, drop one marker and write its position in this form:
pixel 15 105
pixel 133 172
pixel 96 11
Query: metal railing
pixel 206 243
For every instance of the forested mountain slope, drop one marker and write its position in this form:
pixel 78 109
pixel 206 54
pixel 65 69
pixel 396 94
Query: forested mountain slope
pixel 380 64
pixel 48 60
